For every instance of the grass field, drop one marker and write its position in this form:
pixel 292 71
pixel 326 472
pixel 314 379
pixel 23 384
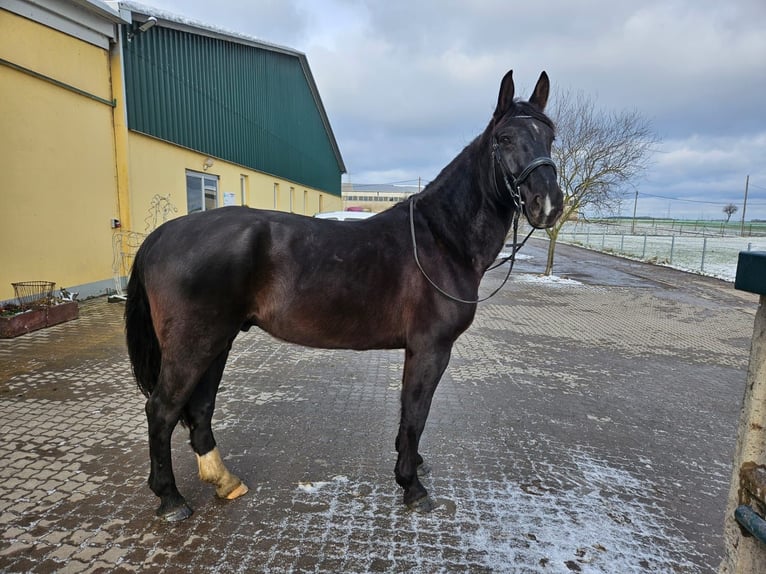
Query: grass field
pixel 659 226
pixel 708 247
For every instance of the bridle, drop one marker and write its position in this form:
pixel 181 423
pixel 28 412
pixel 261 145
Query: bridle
pixel 513 182
pixel 512 185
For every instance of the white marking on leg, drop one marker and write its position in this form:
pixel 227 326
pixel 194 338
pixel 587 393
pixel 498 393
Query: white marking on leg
pixel 212 470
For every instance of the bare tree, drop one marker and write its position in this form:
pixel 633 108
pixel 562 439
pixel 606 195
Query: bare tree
pixel 598 155
pixel 729 210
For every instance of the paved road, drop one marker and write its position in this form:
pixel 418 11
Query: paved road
pixel 582 426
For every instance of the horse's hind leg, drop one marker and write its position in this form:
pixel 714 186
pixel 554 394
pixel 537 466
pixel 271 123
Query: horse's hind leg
pixel 422 371
pixel 175 385
pixel 198 414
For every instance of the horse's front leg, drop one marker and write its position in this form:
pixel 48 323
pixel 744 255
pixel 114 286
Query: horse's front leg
pixel 423 369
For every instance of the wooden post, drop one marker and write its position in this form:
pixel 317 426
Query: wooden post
pixel 746 554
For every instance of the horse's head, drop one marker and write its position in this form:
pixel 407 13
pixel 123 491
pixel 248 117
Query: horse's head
pixel 521 139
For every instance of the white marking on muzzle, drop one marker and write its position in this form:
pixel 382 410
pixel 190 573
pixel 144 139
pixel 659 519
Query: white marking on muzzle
pixel 547 208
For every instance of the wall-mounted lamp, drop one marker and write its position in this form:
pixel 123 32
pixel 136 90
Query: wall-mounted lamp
pixel 148 23
pixel 208 163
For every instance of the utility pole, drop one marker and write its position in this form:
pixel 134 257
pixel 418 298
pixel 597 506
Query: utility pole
pixel 744 207
pixel 635 204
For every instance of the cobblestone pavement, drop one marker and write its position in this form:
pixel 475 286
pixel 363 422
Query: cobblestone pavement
pixel 584 425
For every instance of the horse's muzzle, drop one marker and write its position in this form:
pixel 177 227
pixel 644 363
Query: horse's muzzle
pixel 543 209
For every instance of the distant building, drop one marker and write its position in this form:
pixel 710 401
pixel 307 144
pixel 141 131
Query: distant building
pixel 375 198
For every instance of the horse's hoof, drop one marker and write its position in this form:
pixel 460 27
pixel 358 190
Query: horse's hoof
pixel 176 514
pixel 239 490
pixel 422 505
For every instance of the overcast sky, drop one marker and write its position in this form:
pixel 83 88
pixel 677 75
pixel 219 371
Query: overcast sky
pixel 408 83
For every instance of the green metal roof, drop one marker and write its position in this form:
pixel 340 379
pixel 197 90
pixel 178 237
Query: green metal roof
pixel 229 96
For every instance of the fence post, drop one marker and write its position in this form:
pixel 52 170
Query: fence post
pixel 643 253
pixel 672 247
pixel 622 243
pixel 704 249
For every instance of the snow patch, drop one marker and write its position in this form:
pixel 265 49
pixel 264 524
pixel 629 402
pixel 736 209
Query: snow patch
pixel 314 487
pixel 581 514
pixel 519 256
pixel 178 19
pixel 547 280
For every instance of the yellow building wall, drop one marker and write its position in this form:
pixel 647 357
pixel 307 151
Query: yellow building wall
pixel 157 167
pixel 57 190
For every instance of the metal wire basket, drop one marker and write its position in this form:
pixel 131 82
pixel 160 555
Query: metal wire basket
pixel 34 294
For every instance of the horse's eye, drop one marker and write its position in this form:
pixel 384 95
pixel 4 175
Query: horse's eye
pixel 505 140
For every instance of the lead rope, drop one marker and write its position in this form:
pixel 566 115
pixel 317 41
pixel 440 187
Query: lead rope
pixel 511 258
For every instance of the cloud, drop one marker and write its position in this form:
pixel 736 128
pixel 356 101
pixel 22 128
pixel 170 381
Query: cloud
pixel 699 175
pixel 707 155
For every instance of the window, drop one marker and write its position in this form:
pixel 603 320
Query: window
pixel 292 199
pixel 201 191
pixel 276 195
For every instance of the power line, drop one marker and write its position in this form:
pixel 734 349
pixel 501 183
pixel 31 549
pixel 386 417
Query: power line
pixel 698 200
pixel 680 199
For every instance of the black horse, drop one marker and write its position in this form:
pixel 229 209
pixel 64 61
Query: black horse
pixel 406 278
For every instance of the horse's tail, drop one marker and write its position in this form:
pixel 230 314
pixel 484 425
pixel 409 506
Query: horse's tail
pixel 143 347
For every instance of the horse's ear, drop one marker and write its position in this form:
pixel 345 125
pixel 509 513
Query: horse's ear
pixel 540 95
pixel 505 98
